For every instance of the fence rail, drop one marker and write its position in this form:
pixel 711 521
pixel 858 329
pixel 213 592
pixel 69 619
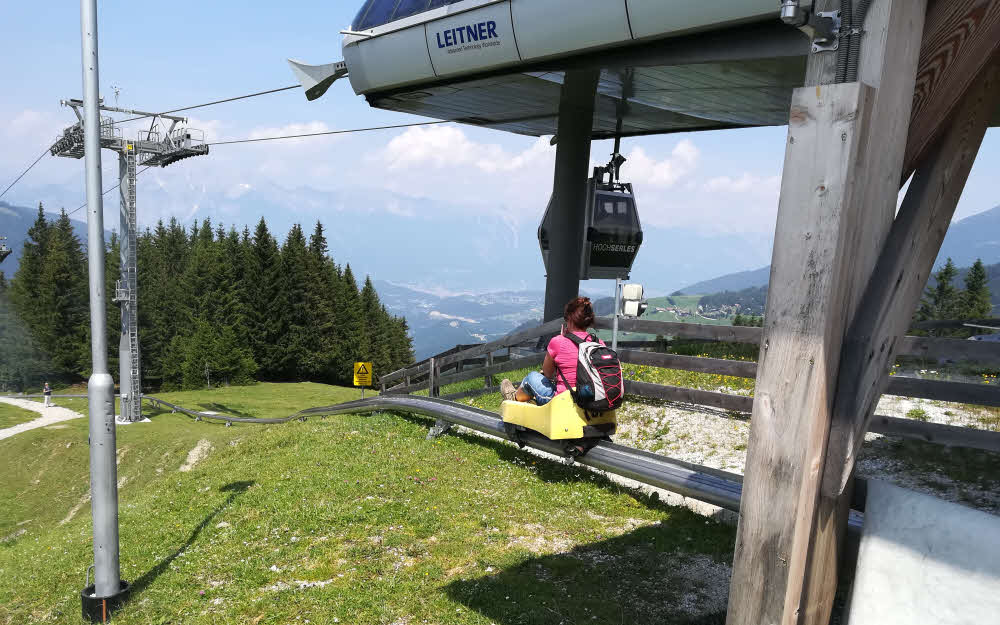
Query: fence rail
pixel 429 374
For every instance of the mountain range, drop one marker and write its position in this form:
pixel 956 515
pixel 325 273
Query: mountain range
pixel 470 277
pixel 969 239
pixel 421 243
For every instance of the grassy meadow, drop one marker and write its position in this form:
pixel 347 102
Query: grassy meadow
pixel 14 415
pixel 348 519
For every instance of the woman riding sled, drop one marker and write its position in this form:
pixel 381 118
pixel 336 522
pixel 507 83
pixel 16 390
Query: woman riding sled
pixel 559 369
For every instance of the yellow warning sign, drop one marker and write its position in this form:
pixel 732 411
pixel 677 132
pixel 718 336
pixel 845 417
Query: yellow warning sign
pixel 362 374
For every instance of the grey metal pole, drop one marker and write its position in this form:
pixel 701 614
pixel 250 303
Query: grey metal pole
pixel 618 308
pixel 101 388
pixel 569 189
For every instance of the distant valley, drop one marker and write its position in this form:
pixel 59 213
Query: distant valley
pixel 444 308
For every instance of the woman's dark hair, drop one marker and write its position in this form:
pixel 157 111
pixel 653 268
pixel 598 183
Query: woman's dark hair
pixel 579 312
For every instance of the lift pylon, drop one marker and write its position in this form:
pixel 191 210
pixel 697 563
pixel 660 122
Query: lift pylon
pixel 4 250
pixel 151 147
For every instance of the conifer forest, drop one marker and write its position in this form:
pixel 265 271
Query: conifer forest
pixel 216 307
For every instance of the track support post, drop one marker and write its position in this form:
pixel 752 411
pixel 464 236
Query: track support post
pixel 439 429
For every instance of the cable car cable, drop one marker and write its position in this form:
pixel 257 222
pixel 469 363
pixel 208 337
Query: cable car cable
pixel 330 132
pixel 106 191
pixel 198 106
pixel 23 173
pixel 315 134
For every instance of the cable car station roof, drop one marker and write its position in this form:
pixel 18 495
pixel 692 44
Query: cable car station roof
pixel 666 65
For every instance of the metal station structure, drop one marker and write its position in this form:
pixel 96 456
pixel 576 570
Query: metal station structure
pixel 166 141
pixel 873 92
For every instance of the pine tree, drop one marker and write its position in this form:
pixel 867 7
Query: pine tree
pixel 26 288
pixel 402 345
pixel 263 292
pixel 22 365
pixel 378 329
pixel 323 292
pixel 296 343
pixel 941 300
pixel 350 319
pixel 975 300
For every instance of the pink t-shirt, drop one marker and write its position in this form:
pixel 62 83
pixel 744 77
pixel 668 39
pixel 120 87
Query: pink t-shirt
pixel 565 353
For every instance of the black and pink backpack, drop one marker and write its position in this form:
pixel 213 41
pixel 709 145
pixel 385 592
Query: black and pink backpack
pixel 599 384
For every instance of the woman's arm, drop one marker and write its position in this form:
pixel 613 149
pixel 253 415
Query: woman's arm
pixel 549 366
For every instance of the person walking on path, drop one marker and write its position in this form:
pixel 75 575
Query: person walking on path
pixel 47 391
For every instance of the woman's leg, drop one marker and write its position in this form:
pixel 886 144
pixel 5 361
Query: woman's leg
pixel 537 387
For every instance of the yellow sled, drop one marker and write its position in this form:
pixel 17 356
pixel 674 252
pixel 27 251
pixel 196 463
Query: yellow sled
pixel 560 419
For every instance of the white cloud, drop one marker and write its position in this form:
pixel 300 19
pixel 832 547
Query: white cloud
pixel 432 172
pixel 434 314
pixel 746 183
pixel 290 130
pixel 682 162
pixel 448 146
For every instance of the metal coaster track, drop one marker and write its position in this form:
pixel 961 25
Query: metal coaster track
pixel 713 486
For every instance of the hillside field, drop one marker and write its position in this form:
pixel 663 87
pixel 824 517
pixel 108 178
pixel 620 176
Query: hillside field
pixel 12 415
pixel 349 519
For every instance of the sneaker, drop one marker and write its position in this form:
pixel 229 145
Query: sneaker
pixel 508 391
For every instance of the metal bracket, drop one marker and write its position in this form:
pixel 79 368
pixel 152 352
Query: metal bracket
pixel 440 428
pixel 825 26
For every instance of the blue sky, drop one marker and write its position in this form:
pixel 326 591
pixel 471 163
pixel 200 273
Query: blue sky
pixel 190 52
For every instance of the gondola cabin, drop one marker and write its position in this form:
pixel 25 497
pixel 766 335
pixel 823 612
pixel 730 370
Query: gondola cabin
pixel 612 231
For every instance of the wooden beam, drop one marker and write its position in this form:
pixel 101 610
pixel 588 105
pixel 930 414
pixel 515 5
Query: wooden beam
pixel 720 366
pixel 936 433
pixel 723 401
pixel 960 38
pixel 826 132
pixel 961 392
pixel 842 167
pixel 957 350
pixel 730 334
pixel 890 298
pixel 900 276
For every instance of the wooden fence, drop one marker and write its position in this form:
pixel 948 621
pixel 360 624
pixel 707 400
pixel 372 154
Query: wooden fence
pixel 465 363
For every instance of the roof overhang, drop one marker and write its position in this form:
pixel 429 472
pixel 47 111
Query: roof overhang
pixel 737 77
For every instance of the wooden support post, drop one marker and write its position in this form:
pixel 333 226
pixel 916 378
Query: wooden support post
pixel 431 370
pixel 960 38
pixel 901 274
pixel 489 363
pixel 841 177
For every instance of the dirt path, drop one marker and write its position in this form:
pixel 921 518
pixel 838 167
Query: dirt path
pixel 50 415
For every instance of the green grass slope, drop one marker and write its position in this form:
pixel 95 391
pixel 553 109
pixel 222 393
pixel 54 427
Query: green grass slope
pixel 349 519
pixel 14 415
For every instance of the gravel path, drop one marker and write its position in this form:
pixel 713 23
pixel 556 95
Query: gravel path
pixel 716 439
pixel 50 415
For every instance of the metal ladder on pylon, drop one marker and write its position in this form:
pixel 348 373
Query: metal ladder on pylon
pixel 128 292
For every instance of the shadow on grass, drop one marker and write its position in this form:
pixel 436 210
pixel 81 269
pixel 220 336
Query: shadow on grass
pixel 650 575
pixel 226 410
pixel 548 471
pixel 235 489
